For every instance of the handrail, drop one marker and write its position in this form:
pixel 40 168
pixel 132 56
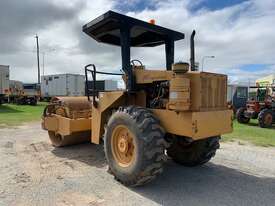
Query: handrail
pixel 94 72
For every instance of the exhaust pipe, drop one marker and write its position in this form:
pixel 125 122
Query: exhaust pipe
pixel 192 51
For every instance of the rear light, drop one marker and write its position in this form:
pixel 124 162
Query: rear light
pixel 152 21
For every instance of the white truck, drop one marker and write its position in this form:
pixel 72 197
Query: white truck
pixel 4 82
pixel 62 85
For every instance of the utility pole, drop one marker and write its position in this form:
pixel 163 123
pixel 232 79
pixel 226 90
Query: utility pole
pixel 38 64
pixel 43 63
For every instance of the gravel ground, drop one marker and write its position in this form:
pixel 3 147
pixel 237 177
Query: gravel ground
pixel 32 172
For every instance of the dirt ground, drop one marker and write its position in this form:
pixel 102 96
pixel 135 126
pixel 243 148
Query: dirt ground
pixel 32 172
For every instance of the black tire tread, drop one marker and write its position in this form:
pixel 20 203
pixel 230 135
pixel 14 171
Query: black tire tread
pixel 198 152
pixel 261 118
pixel 240 116
pixel 152 136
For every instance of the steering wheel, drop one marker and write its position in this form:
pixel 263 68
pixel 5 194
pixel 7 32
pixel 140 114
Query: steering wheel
pixel 133 62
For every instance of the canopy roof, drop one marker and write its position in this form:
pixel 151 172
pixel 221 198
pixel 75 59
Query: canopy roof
pixel 107 29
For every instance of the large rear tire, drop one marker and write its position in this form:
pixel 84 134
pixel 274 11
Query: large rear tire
pixel 265 118
pixel 241 117
pixel 134 146
pixel 195 153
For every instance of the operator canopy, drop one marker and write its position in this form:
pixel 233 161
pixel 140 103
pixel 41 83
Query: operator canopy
pixel 124 31
pixel 107 29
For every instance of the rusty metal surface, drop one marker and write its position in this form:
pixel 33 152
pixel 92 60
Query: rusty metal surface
pixel 73 103
pixel 72 107
pixel 68 120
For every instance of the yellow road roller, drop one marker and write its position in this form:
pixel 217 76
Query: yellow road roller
pixel 175 111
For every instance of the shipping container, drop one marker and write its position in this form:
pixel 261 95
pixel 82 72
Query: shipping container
pixel 62 85
pixel 4 82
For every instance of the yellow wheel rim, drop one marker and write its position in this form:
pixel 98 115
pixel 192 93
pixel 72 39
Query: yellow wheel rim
pixel 123 146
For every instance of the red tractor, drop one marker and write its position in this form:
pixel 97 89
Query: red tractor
pixel 261 106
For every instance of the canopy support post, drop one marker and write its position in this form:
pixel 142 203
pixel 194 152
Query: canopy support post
pixel 169 52
pixel 126 55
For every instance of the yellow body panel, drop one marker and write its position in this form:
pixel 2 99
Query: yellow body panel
pixel 208 91
pixel 107 100
pixel 65 126
pixel 148 76
pixel 206 115
pixel 197 125
pixel 179 93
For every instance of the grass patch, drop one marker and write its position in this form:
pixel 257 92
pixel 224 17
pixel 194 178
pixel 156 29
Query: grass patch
pixel 252 133
pixel 12 115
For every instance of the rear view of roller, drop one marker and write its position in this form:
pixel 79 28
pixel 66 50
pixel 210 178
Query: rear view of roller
pixel 175 111
pixel 67 120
